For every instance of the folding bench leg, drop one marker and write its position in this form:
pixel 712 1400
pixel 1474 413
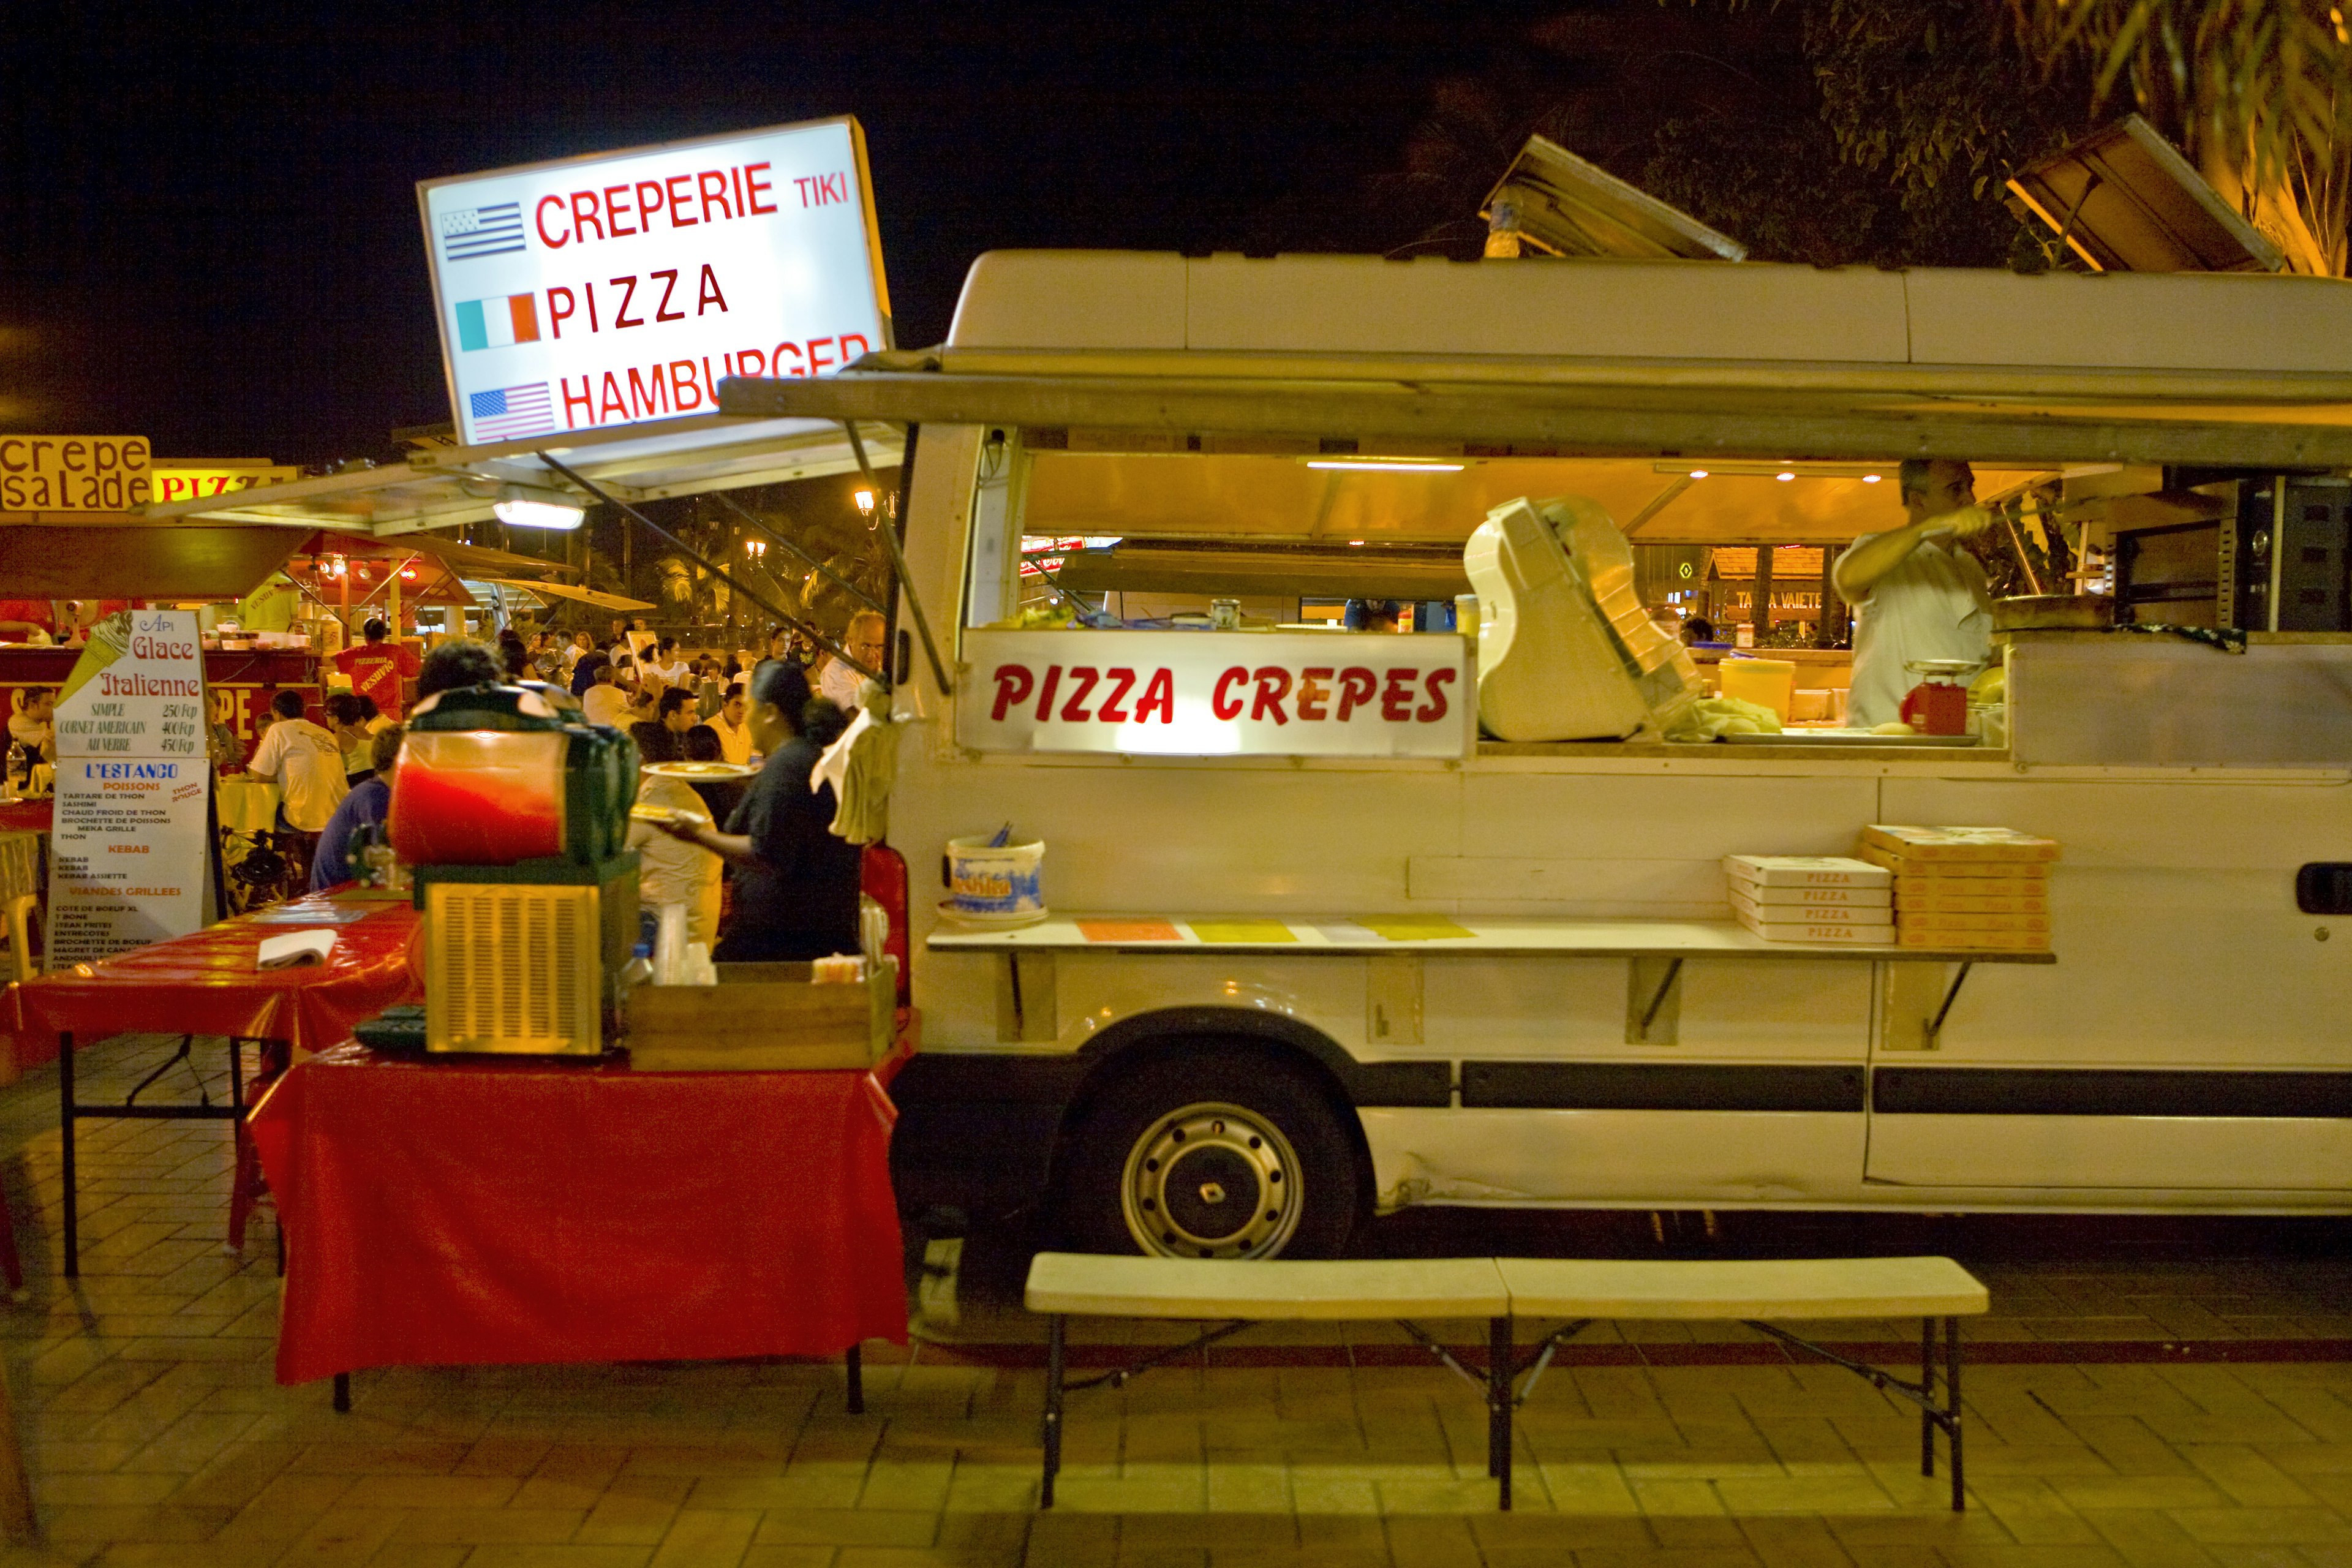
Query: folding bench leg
pixel 1947 1416
pixel 853 1361
pixel 1952 1406
pixel 1053 1435
pixel 1928 1394
pixel 1498 1407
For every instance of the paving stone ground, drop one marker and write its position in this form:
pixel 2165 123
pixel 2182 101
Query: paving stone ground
pixel 157 1436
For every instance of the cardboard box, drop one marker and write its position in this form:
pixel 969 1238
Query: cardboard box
pixel 762 1017
pixel 1904 868
pixel 1804 871
pixel 1957 844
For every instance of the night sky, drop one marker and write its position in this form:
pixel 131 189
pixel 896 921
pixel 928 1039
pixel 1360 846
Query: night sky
pixel 212 232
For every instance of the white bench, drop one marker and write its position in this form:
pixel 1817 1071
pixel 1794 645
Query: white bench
pixel 1500 1290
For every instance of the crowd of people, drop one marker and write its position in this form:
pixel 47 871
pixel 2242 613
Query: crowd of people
pixel 794 884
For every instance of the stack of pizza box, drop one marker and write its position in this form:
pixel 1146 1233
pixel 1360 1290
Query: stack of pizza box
pixel 1811 898
pixel 1966 888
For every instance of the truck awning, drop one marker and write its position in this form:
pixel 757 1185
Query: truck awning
pixel 2025 418
pixel 444 487
pixel 603 601
pixel 128 556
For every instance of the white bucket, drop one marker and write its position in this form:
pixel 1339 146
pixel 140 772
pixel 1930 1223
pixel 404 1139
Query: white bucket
pixel 1001 880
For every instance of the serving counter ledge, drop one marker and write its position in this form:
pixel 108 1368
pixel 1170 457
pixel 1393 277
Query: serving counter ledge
pixel 1936 757
pixel 1480 936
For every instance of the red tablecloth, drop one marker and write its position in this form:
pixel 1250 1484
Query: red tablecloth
pixel 206 983
pixel 28 815
pixel 446 1212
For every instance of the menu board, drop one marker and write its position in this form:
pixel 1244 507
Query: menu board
pixel 126 856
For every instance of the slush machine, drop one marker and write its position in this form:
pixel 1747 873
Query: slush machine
pixel 512 816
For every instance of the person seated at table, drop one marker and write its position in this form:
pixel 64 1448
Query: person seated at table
pixel 733 726
pixel 605 702
pixel 348 719
pixel 641 693
pixel 304 762
pixel 583 674
pixel 34 723
pixel 674 714
pixel 722 796
pixel 370 802
pixel 454 665
pixel 796 884
pixel 222 744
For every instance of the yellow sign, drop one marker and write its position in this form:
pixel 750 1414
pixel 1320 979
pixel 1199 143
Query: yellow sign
pixel 74 473
pixel 186 478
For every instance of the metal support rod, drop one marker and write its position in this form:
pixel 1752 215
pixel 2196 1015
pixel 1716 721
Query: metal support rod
pixel 1674 971
pixel 1052 1436
pixel 774 538
pixel 2017 544
pixel 2066 229
pixel 1421 1339
pixel 178 1058
pixel 1534 1366
pixel 1951 1422
pixel 1921 1394
pixel 853 1361
pixel 1126 1374
pixel 67 1110
pixel 887 528
pixel 1935 1024
pixel 1498 1407
pixel 1927 1387
pixel 710 567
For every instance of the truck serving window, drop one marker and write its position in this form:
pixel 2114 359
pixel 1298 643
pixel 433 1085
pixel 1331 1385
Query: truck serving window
pixel 1146 531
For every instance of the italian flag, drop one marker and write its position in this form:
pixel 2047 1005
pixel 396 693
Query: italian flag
pixel 498 324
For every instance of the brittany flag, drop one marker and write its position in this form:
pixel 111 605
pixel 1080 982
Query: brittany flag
pixel 498 324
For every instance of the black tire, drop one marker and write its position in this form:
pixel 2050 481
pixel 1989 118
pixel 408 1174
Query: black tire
pixel 1182 1143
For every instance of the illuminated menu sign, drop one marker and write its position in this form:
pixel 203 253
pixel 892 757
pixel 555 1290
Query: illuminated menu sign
pixel 624 286
pixel 1211 694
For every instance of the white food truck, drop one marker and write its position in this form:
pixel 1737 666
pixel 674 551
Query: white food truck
pixel 1317 948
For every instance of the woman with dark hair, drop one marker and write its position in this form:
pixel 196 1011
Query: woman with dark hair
pixel 796 883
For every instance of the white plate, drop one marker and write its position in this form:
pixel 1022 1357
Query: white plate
pixel 948 910
pixel 701 772
pixel 641 812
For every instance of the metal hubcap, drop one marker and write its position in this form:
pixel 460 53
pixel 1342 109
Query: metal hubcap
pixel 1210 1180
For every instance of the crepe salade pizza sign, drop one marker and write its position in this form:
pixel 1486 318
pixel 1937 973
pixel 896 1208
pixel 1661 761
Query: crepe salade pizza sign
pixel 1208 694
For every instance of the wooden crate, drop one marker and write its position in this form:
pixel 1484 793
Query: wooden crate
pixel 762 1017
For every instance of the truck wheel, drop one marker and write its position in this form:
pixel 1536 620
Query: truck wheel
pixel 1215 1155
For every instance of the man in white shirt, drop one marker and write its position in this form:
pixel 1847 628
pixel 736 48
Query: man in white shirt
pixel 305 762
pixel 605 702
pixel 733 725
pixel 1915 596
pixel 863 641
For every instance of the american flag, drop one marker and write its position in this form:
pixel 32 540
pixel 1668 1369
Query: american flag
pixel 471 232
pixel 511 412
